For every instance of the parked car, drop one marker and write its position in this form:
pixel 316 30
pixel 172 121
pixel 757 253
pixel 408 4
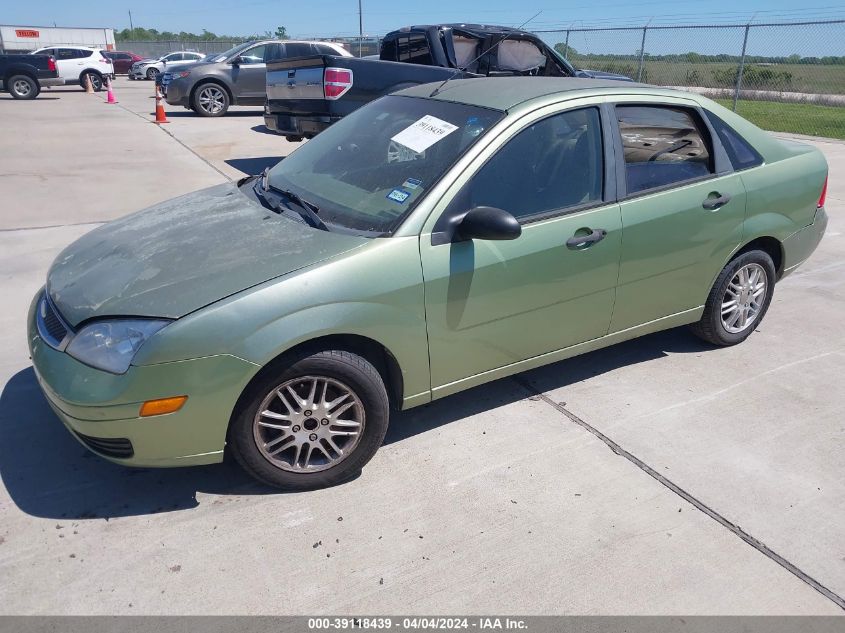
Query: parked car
pixel 74 63
pixel 305 96
pixel 24 75
pixel 151 68
pixel 236 77
pixel 429 242
pixel 122 60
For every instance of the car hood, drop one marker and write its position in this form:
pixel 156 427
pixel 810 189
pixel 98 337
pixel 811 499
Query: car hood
pixel 182 255
pixel 600 74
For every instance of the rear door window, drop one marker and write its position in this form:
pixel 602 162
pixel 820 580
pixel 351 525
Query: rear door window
pixel 663 146
pixel 66 53
pixel 298 49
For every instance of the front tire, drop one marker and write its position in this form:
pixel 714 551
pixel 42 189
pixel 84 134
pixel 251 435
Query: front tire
pixel 312 422
pixel 738 300
pixel 152 73
pixel 210 100
pixel 23 87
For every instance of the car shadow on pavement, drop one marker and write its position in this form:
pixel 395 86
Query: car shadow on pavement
pixel 49 474
pixel 555 376
pixel 253 166
pixel 263 129
pixel 182 113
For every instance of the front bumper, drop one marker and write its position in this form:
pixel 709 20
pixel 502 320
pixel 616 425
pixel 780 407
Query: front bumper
pixel 177 92
pixel 798 247
pixel 138 73
pixel 101 409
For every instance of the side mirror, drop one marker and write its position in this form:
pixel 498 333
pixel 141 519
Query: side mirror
pixel 237 61
pixel 488 223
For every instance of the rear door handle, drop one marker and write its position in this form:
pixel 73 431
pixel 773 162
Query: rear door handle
pixel 715 203
pixel 582 241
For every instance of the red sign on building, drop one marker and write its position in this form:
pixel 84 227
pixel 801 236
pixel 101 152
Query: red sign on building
pixel 26 33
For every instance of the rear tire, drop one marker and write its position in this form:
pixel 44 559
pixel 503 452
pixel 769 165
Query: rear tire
pixel 330 423
pixel 96 80
pixel 22 87
pixel 739 299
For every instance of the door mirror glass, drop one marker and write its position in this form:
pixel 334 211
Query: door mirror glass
pixel 488 223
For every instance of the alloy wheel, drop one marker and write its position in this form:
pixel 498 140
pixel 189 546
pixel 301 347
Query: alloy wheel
pixel 211 99
pixel 22 88
pixel 744 298
pixel 309 424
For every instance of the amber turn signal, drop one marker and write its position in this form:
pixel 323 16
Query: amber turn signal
pixel 162 406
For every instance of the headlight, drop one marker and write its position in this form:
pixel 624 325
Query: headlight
pixel 111 345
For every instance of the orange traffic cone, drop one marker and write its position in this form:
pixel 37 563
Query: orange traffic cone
pixel 110 98
pixel 89 89
pixel 160 116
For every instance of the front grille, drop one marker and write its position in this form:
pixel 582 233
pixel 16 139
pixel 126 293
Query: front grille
pixel 118 447
pixel 50 325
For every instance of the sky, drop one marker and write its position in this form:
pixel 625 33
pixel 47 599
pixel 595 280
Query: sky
pixel 340 17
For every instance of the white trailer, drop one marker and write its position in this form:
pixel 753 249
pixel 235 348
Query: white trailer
pixel 26 38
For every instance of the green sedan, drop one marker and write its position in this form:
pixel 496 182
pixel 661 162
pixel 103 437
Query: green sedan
pixel 429 242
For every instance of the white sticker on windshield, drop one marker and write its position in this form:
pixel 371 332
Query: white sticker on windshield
pixel 424 133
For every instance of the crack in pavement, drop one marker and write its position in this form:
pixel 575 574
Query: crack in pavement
pixel 686 496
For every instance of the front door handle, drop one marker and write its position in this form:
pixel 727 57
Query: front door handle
pixel 715 203
pixel 582 241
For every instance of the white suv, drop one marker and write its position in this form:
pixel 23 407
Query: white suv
pixel 151 68
pixel 74 62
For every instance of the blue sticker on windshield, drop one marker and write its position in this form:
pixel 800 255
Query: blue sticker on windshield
pixel 412 183
pixel 397 195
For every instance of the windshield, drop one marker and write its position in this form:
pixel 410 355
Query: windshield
pixel 232 51
pixel 367 171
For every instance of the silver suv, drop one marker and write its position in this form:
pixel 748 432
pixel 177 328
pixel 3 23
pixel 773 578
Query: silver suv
pixel 236 77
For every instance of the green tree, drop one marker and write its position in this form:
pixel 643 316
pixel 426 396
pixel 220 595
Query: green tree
pixel 567 51
pixel 281 33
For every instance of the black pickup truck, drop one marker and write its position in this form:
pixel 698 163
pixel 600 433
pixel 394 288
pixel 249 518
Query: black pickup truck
pixel 23 75
pixel 307 94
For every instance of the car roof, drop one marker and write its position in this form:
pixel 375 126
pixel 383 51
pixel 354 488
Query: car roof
pixel 505 93
pixel 76 46
pixel 466 26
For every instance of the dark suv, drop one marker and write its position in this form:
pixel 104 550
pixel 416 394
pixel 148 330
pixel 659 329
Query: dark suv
pixel 236 77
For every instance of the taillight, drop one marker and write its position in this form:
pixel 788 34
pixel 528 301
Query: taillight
pixel 103 60
pixel 823 195
pixel 336 82
pixel 51 64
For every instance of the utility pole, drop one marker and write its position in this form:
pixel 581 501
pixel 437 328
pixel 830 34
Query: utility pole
pixel 131 26
pixel 360 29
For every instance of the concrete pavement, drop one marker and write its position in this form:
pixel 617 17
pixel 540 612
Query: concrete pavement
pixel 493 500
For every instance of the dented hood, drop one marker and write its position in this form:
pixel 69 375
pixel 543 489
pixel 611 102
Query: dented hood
pixel 182 255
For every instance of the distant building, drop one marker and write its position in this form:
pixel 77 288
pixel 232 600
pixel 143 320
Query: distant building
pixel 26 38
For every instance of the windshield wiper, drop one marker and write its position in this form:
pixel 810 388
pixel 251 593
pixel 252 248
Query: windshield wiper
pixel 307 210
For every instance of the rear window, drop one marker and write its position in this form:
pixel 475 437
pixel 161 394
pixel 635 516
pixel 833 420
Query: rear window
pixel 740 152
pixel 414 49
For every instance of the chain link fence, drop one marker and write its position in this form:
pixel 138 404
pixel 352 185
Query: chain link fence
pixel 159 48
pixel 787 77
